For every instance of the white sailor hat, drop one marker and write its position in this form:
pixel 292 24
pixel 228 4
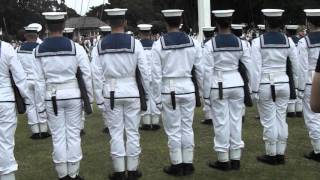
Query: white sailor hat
pixel 36 25
pixel 105 28
pixel 208 28
pixel 31 29
pixel 292 27
pixel 130 32
pixel 312 12
pixel 116 12
pixel 144 27
pixel 261 26
pixel 54 16
pixel 272 12
pixel 172 12
pixel 68 30
pixel 223 13
pixel 237 26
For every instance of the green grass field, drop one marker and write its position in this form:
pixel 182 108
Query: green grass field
pixel 35 163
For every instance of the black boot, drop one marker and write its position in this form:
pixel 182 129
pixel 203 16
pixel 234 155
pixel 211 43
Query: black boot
pixel 235 164
pixel 35 136
pixel 207 121
pixel 146 127
pixel 188 168
pixel 155 127
pixel 291 114
pixel 272 160
pixel 243 119
pixel 223 166
pixel 118 176
pixel 281 159
pixel 299 114
pixel 45 135
pixel 134 175
pixel 313 156
pixel 82 132
pixel 174 169
pixel 66 178
pixel 105 130
pixel 77 178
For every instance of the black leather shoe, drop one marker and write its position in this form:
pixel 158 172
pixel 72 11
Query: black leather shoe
pixel 313 156
pixel 281 159
pixel 82 132
pixel 235 164
pixel 188 168
pixel 299 114
pixel 66 178
pixel 155 127
pixel 223 166
pixel 118 176
pixel 243 119
pixel 35 136
pixel 105 130
pixel 206 121
pixel 271 160
pixel 134 175
pixel 78 178
pixel 146 127
pixel 291 114
pixel 174 169
pixel 45 135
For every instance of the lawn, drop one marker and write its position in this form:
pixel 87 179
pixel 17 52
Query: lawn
pixel 35 163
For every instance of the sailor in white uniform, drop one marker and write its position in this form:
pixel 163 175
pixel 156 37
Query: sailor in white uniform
pixel 105 30
pixel 121 78
pixel 36 121
pixel 224 90
pixel 177 72
pixel 58 62
pixel 272 86
pixel 39 28
pixel 208 34
pixel 295 105
pixel 309 49
pixel 150 118
pixel 11 69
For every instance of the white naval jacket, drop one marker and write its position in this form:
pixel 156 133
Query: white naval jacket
pixel 173 57
pixel 269 55
pixel 9 62
pixel 56 63
pixel 222 55
pixel 308 53
pixel 26 57
pixel 114 63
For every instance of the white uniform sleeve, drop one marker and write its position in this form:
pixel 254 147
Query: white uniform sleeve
pixel 40 85
pixel 18 74
pixel 303 64
pixel 246 58
pixel 256 65
pixel 84 65
pixel 293 56
pixel 208 69
pixel 199 68
pixel 156 74
pixel 143 66
pixel 97 76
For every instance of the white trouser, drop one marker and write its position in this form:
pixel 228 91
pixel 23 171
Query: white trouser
pixel 228 119
pixel 299 105
pixel 65 129
pixel 273 117
pixel 123 120
pixel 152 115
pixel 105 119
pixel 207 111
pixel 291 106
pixel 312 121
pixel 178 127
pixel 8 125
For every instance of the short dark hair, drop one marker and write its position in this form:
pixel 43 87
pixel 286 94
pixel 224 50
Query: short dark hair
pixel 208 34
pixel 223 22
pixel 173 21
pixel 116 22
pixel 55 27
pixel 314 20
pixel 237 32
pixel 68 35
pixel 274 22
pixel 291 32
pixel 30 36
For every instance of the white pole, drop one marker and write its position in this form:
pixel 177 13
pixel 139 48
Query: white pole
pixel 204 16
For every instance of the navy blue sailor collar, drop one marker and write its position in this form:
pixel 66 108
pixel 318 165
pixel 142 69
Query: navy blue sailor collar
pixel 27 47
pixel 226 42
pixel 147 44
pixel 176 40
pixel 274 40
pixel 116 43
pixel 56 46
pixel 313 40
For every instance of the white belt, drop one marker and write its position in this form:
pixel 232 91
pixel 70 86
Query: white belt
pixel 174 80
pixel 273 75
pixel 61 86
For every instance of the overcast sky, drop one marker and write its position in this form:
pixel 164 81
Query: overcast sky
pixel 76 5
